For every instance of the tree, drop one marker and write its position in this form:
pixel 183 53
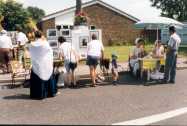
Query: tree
pixel 1 19
pixel 14 14
pixel 36 13
pixel 176 9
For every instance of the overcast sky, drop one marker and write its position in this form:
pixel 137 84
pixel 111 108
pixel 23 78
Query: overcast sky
pixel 138 8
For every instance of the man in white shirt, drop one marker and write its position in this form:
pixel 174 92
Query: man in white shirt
pixel 95 52
pixel 21 40
pixel 171 56
pixel 5 48
pixel 71 58
pixel 5 40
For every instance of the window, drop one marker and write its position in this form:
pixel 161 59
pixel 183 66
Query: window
pixel 92 27
pixel 66 32
pixel 65 27
pixel 51 33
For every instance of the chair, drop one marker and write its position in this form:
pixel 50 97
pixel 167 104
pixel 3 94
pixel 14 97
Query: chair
pixel 27 66
pixel 20 70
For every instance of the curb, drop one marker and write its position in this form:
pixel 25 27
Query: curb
pixel 6 83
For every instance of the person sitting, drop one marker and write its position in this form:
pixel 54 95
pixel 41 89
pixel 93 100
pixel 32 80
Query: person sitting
pixel 158 50
pixel 138 52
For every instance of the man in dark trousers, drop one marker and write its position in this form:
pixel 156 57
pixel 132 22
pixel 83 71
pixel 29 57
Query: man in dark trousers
pixel 171 56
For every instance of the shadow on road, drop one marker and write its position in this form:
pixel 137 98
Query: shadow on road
pixel 17 97
pixel 125 78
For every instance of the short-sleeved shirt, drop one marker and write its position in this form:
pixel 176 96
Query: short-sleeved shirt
pixel 5 42
pixel 174 42
pixel 94 48
pixel 22 38
pixel 159 51
pixel 114 63
pixel 68 52
pixel 136 52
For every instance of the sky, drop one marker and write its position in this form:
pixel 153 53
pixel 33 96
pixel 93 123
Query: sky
pixel 138 8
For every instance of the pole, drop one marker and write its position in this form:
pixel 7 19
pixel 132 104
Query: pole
pixel 78 6
pixel 157 34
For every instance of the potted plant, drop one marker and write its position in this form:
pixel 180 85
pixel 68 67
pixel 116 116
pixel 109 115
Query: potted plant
pixel 80 19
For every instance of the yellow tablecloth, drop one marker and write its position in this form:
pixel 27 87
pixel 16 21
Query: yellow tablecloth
pixel 150 63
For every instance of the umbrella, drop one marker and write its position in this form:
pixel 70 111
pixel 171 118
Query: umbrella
pixel 157 23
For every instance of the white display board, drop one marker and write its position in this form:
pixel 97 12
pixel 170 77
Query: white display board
pixel 79 37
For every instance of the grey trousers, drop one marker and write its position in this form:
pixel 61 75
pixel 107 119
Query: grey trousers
pixel 170 68
pixel 20 55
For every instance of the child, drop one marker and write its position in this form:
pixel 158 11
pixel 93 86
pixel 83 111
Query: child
pixel 115 75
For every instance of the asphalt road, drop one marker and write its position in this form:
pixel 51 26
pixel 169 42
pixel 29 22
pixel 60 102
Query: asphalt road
pixel 104 104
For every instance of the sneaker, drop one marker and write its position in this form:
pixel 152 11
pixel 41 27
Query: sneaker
pixel 75 86
pixel 172 82
pixel 98 81
pixel 71 85
pixel 93 85
pixel 114 83
pixel 164 82
pixel 58 93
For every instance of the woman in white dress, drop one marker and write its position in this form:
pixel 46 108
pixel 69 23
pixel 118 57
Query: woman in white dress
pixel 138 52
pixel 42 84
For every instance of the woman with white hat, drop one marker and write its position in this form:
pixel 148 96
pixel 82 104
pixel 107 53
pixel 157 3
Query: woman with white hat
pixel 138 52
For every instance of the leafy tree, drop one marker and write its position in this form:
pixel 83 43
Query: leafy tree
pixel 14 14
pixel 176 9
pixel 36 13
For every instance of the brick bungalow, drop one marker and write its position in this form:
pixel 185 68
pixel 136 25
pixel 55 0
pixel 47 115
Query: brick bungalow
pixel 117 26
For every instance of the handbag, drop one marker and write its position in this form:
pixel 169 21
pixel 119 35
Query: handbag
pixel 52 86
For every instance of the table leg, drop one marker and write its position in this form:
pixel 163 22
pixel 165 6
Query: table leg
pixel 148 75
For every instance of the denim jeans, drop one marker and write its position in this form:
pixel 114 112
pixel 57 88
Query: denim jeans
pixel 170 68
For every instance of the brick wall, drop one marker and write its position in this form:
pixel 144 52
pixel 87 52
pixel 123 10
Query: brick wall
pixel 115 27
pixel 48 24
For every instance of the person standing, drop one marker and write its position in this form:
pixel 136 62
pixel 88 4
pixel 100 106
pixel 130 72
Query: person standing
pixel 95 52
pixel 21 40
pixel 71 58
pixel 171 56
pixel 115 74
pixel 5 47
pixel 41 81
